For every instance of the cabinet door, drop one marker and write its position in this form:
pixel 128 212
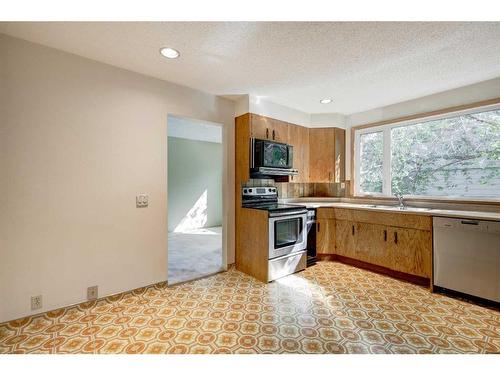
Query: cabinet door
pixel 325 236
pixel 298 137
pixel 339 167
pixel 321 154
pixel 279 131
pixel 268 128
pixel 260 127
pixel 411 251
pixel 370 243
pixel 344 239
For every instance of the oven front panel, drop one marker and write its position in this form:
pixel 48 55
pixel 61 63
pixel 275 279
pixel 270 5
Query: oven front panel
pixel 287 234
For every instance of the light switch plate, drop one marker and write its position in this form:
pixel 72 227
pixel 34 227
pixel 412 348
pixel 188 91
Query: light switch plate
pixel 142 200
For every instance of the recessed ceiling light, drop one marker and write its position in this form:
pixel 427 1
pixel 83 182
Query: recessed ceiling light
pixel 325 101
pixel 169 53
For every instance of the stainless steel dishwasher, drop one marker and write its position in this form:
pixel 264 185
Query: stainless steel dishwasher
pixel 467 256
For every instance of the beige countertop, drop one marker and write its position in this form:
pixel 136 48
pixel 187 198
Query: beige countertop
pixel 426 211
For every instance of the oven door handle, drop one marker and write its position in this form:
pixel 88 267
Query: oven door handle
pixel 287 213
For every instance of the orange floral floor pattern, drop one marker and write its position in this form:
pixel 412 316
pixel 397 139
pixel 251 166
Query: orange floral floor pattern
pixel 328 308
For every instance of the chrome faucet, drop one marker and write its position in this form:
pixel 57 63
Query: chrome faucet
pixel 402 205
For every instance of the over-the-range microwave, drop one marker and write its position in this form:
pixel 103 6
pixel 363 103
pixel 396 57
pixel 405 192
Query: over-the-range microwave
pixel 269 158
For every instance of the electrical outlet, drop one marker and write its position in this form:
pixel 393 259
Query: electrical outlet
pixel 92 292
pixel 36 302
pixel 142 200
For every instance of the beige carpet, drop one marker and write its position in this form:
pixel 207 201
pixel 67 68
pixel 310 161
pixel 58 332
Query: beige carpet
pixel 194 254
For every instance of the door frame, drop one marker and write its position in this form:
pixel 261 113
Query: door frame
pixel 226 204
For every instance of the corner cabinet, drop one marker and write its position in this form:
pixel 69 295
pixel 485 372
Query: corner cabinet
pixel 326 155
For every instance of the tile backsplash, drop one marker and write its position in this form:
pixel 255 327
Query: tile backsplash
pixel 298 190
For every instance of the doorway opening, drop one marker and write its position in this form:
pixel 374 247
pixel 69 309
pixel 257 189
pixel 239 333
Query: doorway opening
pixel 195 214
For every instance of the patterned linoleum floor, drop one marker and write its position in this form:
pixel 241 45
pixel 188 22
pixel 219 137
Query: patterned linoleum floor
pixel 329 308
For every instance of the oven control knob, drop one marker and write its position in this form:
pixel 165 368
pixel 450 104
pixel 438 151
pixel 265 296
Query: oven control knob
pixel 245 191
pixel 249 190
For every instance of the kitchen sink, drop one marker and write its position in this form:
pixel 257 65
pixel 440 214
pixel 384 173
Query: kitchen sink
pixel 396 208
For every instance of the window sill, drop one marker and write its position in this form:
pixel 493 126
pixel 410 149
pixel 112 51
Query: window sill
pixel 414 199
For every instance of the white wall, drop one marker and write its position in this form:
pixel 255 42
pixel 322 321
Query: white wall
pixel 182 127
pixel 263 107
pixel 326 120
pixel 463 95
pixel 78 140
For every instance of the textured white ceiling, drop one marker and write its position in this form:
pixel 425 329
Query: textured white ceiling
pixel 360 65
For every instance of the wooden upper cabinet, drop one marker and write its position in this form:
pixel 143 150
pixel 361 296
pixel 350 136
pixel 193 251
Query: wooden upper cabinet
pixel 318 153
pixel 279 132
pixel 326 155
pixel 321 154
pixel 339 175
pixel 259 126
pixel 242 153
pixel 262 127
pixel 298 137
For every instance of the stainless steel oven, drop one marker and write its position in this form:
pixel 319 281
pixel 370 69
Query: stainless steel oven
pixel 287 232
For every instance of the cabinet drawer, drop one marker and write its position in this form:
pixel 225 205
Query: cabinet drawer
pixel 325 213
pixel 396 219
pixel 284 266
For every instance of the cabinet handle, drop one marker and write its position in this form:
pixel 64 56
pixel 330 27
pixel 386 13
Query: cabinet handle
pixel 385 235
pixel 353 230
pixel 329 176
pixel 470 222
pixel 267 133
pixel 318 226
pixel 273 134
pixel 396 238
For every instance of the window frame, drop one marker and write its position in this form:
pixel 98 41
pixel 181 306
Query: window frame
pixel 386 127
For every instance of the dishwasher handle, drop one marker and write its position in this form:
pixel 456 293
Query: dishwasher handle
pixel 469 222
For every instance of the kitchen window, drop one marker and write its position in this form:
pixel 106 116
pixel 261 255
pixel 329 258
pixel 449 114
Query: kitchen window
pixel 453 155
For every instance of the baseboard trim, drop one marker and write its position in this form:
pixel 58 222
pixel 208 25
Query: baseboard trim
pixel 109 297
pixel 419 280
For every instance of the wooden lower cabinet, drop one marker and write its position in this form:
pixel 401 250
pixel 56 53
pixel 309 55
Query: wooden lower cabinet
pixel 371 244
pixel 411 251
pixel 399 249
pixel 325 236
pixel 344 240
